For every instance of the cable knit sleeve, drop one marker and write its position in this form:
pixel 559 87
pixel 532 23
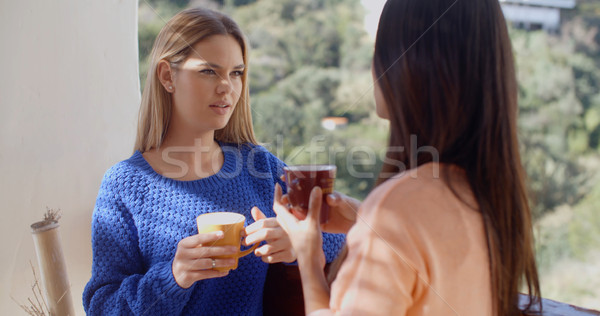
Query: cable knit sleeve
pixel 277 171
pixel 332 244
pixel 120 282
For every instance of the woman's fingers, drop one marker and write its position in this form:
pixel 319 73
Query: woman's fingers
pixel 282 256
pixel 263 230
pixel 298 213
pixel 266 234
pixel 210 252
pixel 257 214
pixel 280 209
pixel 261 224
pixel 285 199
pixel 220 263
pixel 201 239
pixel 278 193
pixel 272 247
pixel 333 199
pixel 207 263
pixel 314 204
pixel 187 270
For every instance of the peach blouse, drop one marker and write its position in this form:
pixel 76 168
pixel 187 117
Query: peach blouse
pixel 416 249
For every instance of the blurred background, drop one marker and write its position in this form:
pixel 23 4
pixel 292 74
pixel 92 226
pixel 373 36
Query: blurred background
pixel 311 93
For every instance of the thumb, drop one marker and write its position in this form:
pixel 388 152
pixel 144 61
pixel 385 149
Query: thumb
pixel 257 214
pixel 314 204
pixel 333 199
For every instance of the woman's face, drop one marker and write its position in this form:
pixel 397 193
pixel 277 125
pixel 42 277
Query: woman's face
pixel 207 85
pixel 380 105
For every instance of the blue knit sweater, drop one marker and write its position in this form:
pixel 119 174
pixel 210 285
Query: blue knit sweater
pixel 139 218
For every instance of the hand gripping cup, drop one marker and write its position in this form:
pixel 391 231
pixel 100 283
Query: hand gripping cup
pixel 232 225
pixel 301 179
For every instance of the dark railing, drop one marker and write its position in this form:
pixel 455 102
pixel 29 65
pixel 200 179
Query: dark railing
pixel 554 308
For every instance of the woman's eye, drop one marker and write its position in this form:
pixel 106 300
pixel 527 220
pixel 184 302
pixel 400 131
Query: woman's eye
pixel 207 72
pixel 238 73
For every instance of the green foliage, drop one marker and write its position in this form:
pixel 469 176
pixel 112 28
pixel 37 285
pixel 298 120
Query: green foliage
pixel 152 16
pixel 234 3
pixel 311 59
pixel 552 237
pixel 292 34
pixel 559 129
pixel 568 250
pixel 557 112
pixel 173 3
pixel 294 106
pixel 584 229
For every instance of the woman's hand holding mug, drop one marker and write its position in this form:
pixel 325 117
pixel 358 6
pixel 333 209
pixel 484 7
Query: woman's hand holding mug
pixel 305 234
pixel 213 251
pixel 278 247
pixel 194 258
pixel 342 213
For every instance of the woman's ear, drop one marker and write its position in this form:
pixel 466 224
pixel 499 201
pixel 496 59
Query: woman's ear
pixel 165 75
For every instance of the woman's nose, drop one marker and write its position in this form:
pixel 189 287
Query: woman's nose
pixel 224 86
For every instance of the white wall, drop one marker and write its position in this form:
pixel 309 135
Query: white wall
pixel 549 18
pixel 564 4
pixel 69 95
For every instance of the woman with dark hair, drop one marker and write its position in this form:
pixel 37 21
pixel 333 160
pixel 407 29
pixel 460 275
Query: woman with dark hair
pixel 447 231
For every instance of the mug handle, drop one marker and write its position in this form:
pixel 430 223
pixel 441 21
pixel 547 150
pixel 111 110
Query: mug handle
pixel 248 251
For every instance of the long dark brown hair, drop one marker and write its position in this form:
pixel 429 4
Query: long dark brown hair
pixel 446 72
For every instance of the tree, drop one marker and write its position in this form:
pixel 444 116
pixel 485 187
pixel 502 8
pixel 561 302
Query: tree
pixel 311 59
pixel 558 112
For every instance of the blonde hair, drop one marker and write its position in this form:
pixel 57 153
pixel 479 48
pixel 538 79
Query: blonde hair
pixel 174 44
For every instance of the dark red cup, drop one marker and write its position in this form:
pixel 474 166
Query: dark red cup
pixel 301 179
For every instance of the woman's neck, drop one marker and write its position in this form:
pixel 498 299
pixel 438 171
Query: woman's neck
pixel 186 158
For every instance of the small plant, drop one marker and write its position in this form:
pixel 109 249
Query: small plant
pixel 37 306
pixel 52 215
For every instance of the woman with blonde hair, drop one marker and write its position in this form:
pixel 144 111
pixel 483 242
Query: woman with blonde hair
pixel 195 153
pixel 447 231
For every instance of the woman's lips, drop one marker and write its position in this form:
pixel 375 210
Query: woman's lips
pixel 220 109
